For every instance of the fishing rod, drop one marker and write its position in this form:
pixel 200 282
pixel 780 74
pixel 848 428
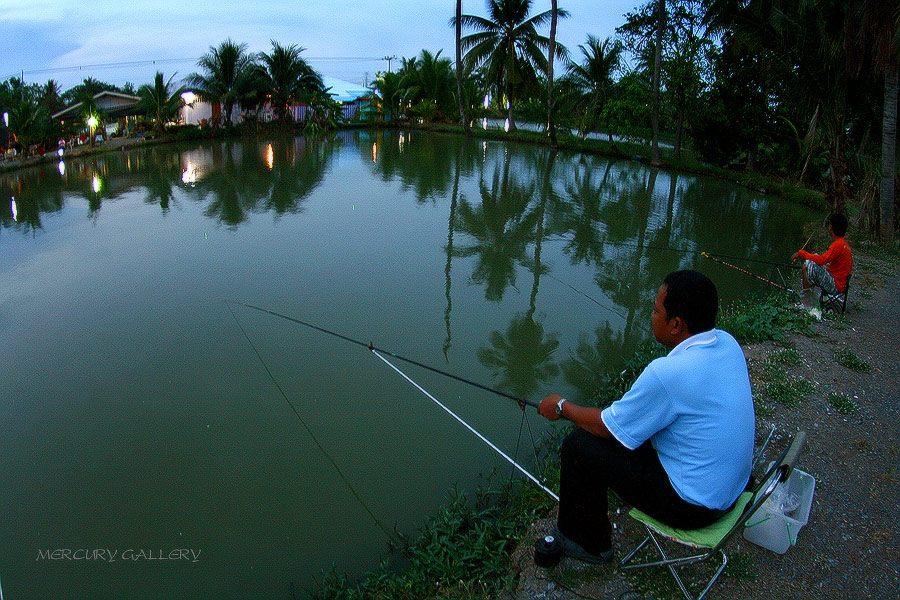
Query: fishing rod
pixel 521 401
pixel 467 426
pixel 689 251
pixel 312 435
pixel 378 352
pixel 746 272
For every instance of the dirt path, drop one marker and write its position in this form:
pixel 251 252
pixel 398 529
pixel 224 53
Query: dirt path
pixel 851 546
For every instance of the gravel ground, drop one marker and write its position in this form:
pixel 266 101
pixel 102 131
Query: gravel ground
pixel 851 546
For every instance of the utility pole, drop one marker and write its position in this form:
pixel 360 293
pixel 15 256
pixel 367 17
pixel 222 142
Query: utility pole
pixel 388 59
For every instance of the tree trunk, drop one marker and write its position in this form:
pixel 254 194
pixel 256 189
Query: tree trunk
pixel 888 153
pixel 657 67
pixel 459 74
pixel 551 125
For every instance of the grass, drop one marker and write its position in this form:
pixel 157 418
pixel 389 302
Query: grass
pixel 843 403
pixel 849 359
pixel 462 552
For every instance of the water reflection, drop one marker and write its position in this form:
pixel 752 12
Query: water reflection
pixel 520 267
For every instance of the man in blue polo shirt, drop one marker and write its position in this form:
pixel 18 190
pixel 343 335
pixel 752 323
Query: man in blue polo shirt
pixel 678 445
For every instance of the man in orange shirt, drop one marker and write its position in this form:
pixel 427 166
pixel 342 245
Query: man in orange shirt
pixel 828 271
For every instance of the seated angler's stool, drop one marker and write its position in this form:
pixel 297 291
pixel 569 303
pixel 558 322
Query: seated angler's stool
pixel 713 537
pixel 835 303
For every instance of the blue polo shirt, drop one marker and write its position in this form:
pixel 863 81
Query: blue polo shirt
pixel 696 408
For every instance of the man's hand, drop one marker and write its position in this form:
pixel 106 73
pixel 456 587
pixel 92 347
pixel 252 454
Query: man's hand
pixel 794 256
pixel 547 407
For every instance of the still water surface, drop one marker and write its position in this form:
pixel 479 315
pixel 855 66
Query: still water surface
pixel 140 422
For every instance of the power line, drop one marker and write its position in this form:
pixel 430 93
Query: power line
pixel 160 61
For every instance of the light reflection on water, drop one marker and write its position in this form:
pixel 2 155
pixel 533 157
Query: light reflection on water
pixel 140 416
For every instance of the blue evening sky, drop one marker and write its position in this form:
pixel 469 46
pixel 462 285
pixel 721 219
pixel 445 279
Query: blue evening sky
pixel 343 38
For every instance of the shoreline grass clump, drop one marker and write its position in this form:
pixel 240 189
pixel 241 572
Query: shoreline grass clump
pixel 849 359
pixel 461 552
pixel 843 403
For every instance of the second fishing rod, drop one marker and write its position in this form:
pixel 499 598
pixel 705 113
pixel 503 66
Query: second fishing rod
pixel 520 401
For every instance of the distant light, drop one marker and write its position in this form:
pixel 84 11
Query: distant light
pixel 15 211
pixel 62 168
pixel 92 122
pixel 484 123
pixel 189 175
pixel 374 151
pixel 60 152
pixel 189 97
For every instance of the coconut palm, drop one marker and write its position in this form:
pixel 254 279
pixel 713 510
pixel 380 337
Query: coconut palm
pixel 508 47
pixel 287 78
pixel 592 79
pixel 226 74
pixel 428 83
pixel 457 24
pixel 160 100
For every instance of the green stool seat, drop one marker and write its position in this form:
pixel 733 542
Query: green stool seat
pixel 712 538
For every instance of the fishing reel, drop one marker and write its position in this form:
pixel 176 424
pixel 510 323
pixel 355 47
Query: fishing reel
pixel 547 551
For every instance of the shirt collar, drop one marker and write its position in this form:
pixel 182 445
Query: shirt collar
pixel 701 339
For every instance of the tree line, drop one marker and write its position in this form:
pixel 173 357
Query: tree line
pixel 800 91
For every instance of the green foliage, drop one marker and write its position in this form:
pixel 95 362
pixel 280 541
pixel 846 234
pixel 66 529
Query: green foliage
pixel 462 552
pixel 849 359
pixel 843 403
pixel 765 320
pixel 614 385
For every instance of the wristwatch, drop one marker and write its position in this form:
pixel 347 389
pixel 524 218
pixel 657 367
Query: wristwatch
pixel 559 406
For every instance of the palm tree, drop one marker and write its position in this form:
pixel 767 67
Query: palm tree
pixel 226 70
pixel 287 78
pixel 871 37
pixel 387 90
pixel 428 83
pixel 51 94
pixel 459 67
pixel 593 78
pixel 160 101
pixel 551 51
pixel 508 47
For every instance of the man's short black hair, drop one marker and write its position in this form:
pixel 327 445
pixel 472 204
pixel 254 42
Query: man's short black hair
pixel 693 297
pixel 838 222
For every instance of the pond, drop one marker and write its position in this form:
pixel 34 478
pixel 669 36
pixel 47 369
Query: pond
pixel 164 439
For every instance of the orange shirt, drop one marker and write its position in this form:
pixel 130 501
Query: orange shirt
pixel 838 258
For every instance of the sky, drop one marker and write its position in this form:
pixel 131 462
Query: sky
pixel 68 40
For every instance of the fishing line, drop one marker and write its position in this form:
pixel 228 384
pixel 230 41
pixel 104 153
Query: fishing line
pixel 315 440
pixel 466 425
pixel 746 272
pixel 520 401
pixel 688 251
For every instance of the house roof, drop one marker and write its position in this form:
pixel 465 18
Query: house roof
pixel 344 91
pixel 113 104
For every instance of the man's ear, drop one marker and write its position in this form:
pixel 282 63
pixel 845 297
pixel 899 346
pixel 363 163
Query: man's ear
pixel 677 327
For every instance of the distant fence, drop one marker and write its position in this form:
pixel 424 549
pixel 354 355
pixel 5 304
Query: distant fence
pixel 302 112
